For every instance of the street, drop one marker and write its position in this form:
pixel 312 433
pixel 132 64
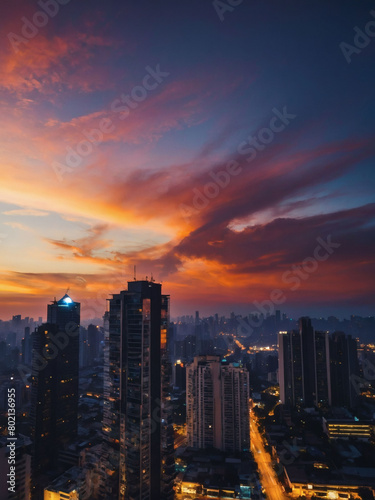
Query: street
pixel 268 478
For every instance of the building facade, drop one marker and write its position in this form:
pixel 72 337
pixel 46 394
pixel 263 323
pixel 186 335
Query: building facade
pixel 217 405
pixel 291 368
pixel 55 372
pixel 344 370
pixel 304 366
pixel 137 416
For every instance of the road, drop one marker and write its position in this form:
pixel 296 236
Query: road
pixel 179 441
pixel 268 478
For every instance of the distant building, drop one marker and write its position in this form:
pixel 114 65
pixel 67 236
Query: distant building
pixel 93 336
pixel 322 395
pixel 217 405
pixel 83 348
pixel 304 366
pixel 27 347
pixel 291 368
pixel 316 369
pixel 344 369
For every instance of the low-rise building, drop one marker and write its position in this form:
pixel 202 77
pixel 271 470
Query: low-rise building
pixel 348 428
pixel 342 484
pixel 218 477
pixel 69 486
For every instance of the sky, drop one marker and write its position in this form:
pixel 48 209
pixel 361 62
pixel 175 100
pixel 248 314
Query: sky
pixel 212 144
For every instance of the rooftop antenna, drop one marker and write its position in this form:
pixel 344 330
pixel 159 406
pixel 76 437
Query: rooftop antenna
pixel 152 278
pixel 135 273
pixel 67 290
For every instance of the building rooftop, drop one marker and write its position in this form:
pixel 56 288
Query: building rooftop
pixel 67 482
pixel 66 300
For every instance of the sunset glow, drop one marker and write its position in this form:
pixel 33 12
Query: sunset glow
pixel 121 149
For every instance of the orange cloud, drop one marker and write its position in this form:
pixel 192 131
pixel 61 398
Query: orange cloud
pixel 50 65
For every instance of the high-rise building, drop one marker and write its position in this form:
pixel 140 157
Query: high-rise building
pixel 306 332
pixel 54 406
pixel 65 313
pixel 304 370
pixel 137 420
pixel 83 348
pixel 235 407
pixel 179 374
pixel 217 405
pixel 322 395
pixel 27 347
pixel 344 369
pixel 291 368
pixel 277 317
pixel 93 337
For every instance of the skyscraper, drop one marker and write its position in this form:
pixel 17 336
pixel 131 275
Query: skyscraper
pixel 291 368
pixel 26 347
pixel 344 367
pixel 137 407
pixel 306 332
pixel 217 405
pixel 304 370
pixel 54 409
pixel 93 343
pixel 322 395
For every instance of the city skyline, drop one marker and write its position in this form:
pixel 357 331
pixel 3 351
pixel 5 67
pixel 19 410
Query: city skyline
pixel 187 234
pixel 217 148
pixel 145 408
pixel 226 312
